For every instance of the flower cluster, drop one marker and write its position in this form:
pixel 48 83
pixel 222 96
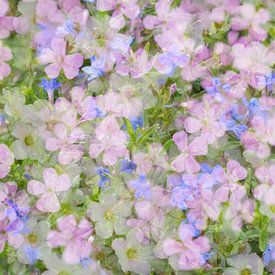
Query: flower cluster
pixel 137 137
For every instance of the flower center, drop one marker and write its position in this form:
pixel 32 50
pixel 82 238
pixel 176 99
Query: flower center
pixel 29 140
pixel 131 253
pixel 272 208
pixel 246 271
pixel 109 216
pixel 32 238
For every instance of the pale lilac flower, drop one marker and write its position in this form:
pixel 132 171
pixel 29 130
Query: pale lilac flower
pixel 187 253
pixel 5 55
pixel 186 161
pixel 74 237
pixel 6 160
pixel 109 140
pixel 6 25
pixel 56 56
pixel 66 142
pixel 47 191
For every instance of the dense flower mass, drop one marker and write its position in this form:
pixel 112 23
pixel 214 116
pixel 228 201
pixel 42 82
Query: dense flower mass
pixel 137 137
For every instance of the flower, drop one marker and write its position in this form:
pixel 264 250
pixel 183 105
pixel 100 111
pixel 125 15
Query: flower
pixel 34 242
pixel 244 264
pixel 6 22
pixel 65 141
pixel 74 237
pixel 5 55
pixel 186 161
pixel 103 174
pixel 132 256
pixel 110 140
pixel 6 160
pixel 141 187
pixel 47 191
pixel 96 69
pixel 56 55
pixel 50 86
pixel 109 215
pixel 127 166
pixel 186 254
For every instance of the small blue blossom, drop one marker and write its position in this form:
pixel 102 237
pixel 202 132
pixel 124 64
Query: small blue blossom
pixel 96 69
pixel 137 122
pixel 268 254
pixel 181 195
pixel 102 172
pixel 142 188
pixel 27 176
pixel 86 262
pixel 267 81
pixel 215 89
pixel 205 168
pixel 127 166
pixel 49 85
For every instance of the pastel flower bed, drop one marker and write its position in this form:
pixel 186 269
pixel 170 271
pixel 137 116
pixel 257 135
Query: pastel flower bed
pixel 137 137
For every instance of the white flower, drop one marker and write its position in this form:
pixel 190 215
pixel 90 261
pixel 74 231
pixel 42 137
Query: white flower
pixel 244 264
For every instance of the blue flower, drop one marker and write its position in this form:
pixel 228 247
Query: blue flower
pixel 49 85
pixel 86 262
pixel 267 81
pixel 268 254
pixel 142 188
pixel 205 168
pixel 31 253
pixel 127 166
pixel 102 172
pixel 239 130
pixel 181 195
pixel 137 122
pixel 215 89
pixel 96 69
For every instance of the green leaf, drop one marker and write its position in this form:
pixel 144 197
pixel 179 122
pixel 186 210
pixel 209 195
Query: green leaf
pixel 263 238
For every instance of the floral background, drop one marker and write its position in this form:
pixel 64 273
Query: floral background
pixel 137 137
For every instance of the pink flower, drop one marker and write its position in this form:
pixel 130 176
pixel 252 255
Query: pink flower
pixel 110 140
pixel 86 105
pixel 74 237
pixel 53 183
pixel 186 254
pixel 249 18
pixel 186 161
pixel 266 190
pixel 47 12
pixel 136 64
pixel 6 160
pixel 234 173
pixel 66 142
pixel 6 22
pixel 5 55
pixel 56 55
pixel 255 58
pixel 205 119
pixel 128 8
